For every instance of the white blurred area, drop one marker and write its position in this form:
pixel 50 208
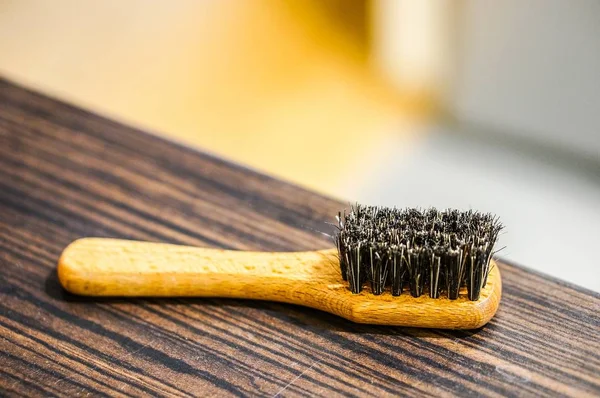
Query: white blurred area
pixel 519 84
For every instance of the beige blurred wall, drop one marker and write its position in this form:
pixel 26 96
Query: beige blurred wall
pixel 283 87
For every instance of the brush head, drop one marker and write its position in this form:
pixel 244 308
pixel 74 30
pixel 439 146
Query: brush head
pixel 427 250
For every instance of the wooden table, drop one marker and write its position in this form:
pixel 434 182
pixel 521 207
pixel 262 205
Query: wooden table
pixel 66 173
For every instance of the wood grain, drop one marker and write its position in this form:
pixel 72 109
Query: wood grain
pixel 66 174
pixel 108 267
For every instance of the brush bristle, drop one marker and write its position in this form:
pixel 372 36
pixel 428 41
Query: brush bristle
pixel 428 250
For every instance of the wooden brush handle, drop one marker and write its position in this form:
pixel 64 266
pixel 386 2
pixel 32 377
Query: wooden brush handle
pixel 113 267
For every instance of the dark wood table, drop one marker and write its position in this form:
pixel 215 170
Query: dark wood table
pixel 66 173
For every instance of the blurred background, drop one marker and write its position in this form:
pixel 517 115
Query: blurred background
pixel 481 104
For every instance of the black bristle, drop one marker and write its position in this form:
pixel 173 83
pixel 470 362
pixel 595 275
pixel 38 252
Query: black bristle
pixel 397 268
pixel 378 271
pixel 431 250
pixel 435 269
pixel 455 271
pixel 416 271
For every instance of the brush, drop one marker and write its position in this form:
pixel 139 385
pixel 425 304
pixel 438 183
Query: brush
pixel 403 267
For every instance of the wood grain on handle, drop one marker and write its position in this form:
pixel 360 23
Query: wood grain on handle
pixel 117 267
pixel 114 267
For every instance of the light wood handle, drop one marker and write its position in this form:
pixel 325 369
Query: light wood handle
pixel 114 267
